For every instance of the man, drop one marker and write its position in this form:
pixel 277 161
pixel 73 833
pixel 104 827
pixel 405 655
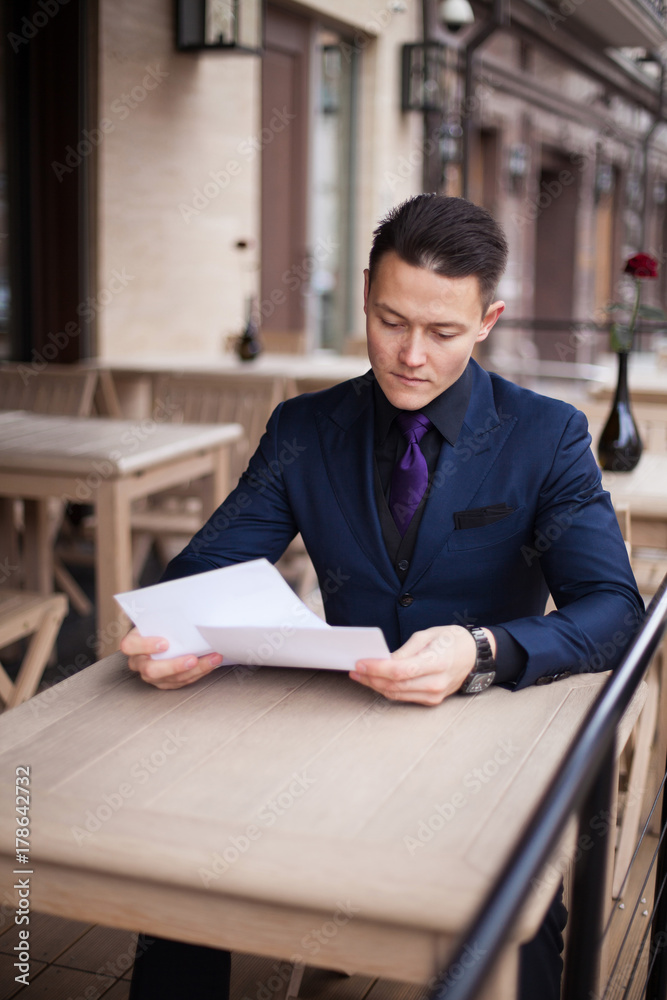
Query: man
pixel 449 503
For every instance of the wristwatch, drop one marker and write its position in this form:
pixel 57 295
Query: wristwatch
pixel 484 672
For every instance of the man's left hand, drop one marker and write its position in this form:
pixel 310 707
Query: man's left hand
pixel 430 666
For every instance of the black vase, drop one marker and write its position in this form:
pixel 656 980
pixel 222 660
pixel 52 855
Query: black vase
pixel 620 446
pixel 249 344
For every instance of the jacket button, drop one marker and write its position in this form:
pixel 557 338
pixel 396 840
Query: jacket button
pixel 403 565
pixel 405 600
pixel 547 679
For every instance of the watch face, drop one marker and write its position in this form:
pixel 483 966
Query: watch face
pixel 475 683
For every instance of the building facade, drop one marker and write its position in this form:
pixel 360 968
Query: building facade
pixel 153 193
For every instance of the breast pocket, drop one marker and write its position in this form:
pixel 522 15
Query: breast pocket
pixel 489 534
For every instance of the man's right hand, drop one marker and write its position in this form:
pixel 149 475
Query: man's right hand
pixel 165 674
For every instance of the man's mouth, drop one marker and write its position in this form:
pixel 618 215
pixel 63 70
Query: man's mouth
pixel 409 379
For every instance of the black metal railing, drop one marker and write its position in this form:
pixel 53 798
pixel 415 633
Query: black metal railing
pixel 582 788
pixel 657 7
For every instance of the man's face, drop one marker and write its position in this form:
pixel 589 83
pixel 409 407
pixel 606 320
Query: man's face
pixel 421 328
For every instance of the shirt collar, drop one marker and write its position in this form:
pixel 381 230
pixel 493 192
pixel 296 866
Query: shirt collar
pixel 446 412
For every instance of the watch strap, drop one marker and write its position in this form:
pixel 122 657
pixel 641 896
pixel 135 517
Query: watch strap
pixel 484 671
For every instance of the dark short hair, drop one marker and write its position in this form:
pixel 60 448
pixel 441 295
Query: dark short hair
pixel 450 236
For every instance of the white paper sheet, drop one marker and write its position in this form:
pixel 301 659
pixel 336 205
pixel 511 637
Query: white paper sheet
pixel 251 615
pixel 334 648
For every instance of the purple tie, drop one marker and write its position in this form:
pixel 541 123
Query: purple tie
pixel 410 476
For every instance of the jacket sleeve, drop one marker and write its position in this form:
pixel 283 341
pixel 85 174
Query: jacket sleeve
pixel 255 520
pixel 584 560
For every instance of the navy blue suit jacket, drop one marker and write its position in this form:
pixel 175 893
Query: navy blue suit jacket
pixel 313 473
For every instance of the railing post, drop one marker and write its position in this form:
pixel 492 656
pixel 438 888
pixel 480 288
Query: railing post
pixel 656 987
pixel 589 886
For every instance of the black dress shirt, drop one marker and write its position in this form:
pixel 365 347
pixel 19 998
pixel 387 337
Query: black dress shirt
pixel 446 412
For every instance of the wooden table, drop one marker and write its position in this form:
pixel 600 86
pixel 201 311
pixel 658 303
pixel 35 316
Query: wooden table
pixel 107 463
pixel 134 378
pixel 288 813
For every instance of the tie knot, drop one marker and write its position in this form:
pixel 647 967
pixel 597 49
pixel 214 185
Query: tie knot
pixel 413 425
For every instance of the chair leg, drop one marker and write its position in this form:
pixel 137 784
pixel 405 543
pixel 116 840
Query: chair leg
pixel 66 582
pixel 34 662
pixel 294 984
pixel 142 542
pixel 6 685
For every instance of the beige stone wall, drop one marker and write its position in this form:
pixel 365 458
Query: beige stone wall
pixel 177 185
pixel 179 182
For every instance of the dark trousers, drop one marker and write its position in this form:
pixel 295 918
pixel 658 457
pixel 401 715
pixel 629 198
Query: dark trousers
pixel 170 970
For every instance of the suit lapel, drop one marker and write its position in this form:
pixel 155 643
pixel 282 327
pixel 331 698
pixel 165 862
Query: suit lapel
pixel 346 434
pixel 461 471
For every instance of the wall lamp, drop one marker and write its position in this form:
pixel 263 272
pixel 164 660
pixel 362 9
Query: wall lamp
pixel 220 25
pixel 423 76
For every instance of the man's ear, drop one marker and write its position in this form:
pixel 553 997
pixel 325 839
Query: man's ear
pixel 490 319
pixel 367 285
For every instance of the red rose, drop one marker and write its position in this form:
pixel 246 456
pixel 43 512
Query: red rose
pixel 641 265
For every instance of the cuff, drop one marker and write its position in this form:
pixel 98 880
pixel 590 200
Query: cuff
pixel 511 658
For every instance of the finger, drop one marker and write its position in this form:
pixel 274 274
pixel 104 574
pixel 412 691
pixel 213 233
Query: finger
pixel 205 665
pixel 180 669
pixel 393 692
pixel 417 642
pixel 397 669
pixel 430 682
pixel 136 644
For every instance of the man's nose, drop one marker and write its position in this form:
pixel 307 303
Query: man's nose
pixel 412 353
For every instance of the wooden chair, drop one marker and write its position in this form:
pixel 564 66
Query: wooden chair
pixel 57 390
pixel 201 398
pixel 24 613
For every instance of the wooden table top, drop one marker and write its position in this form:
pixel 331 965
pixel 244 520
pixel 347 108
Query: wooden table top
pixel 287 792
pixel 65 445
pixel 311 365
